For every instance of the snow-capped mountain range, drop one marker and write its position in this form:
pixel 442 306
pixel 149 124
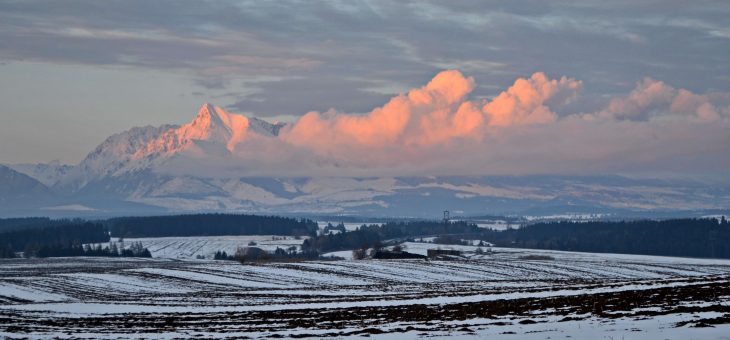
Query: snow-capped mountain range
pixel 128 174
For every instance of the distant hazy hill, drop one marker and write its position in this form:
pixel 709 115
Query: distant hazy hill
pixel 17 189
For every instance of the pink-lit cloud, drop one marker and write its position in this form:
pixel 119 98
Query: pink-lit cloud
pixel 435 113
pixel 653 99
pixel 438 129
pixel 526 102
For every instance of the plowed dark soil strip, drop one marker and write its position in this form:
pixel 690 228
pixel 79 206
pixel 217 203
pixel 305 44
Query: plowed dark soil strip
pixel 604 305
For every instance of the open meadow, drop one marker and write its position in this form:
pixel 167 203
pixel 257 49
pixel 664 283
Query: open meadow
pixel 510 291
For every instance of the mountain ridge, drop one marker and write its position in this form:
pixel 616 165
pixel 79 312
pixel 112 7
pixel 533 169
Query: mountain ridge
pixel 123 174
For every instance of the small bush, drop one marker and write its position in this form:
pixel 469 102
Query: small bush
pixel 359 254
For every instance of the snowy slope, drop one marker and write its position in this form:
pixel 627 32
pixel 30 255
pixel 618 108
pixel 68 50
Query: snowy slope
pixel 212 131
pixel 47 173
pixel 17 188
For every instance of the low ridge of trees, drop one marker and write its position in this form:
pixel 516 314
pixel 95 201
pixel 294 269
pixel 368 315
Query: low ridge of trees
pixel 59 238
pixel 31 240
pixel 689 237
pixel 6 251
pixel 677 237
pixel 112 250
pixel 23 223
pixel 209 225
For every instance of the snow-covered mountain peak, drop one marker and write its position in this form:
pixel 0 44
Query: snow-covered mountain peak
pixel 214 125
pixel 212 131
pixel 210 116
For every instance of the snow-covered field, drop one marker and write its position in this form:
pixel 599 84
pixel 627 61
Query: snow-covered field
pixel 574 295
pixel 206 246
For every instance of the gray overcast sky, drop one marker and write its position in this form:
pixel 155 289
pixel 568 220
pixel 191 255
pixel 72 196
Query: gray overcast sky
pixel 74 72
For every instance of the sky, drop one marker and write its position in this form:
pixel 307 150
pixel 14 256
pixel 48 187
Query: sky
pixel 590 86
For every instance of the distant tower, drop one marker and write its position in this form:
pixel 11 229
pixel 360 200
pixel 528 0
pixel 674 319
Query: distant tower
pixel 446 216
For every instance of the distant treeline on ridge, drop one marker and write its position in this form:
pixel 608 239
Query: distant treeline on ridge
pixel 64 235
pixel 707 237
pixel 209 225
pixel 21 223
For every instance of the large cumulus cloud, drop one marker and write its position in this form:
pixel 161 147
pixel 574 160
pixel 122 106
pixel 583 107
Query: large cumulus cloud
pixel 436 113
pixel 653 99
pixel 438 129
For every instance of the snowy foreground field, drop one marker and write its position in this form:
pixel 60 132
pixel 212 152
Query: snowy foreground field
pixel 504 295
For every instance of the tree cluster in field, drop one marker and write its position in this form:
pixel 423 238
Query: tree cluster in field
pixel 112 250
pixel 32 239
pixel 398 251
pixel 678 237
pixel 255 254
pixel 368 236
pixel 330 228
pixel 209 225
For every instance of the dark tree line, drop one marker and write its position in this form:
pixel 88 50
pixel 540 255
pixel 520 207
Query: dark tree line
pixel 22 223
pixel 209 225
pixel 363 237
pixel 112 250
pixel 678 237
pixel 31 240
pixel 6 251
pixel 58 238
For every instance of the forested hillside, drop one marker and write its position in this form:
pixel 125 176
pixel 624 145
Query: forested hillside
pixel 679 237
pixel 64 235
pixel 209 225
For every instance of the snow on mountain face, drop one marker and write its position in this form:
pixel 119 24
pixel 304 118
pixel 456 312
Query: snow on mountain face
pixel 214 125
pixel 213 130
pixel 47 173
pixel 126 173
pixel 265 128
pixel 16 188
pixel 116 154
